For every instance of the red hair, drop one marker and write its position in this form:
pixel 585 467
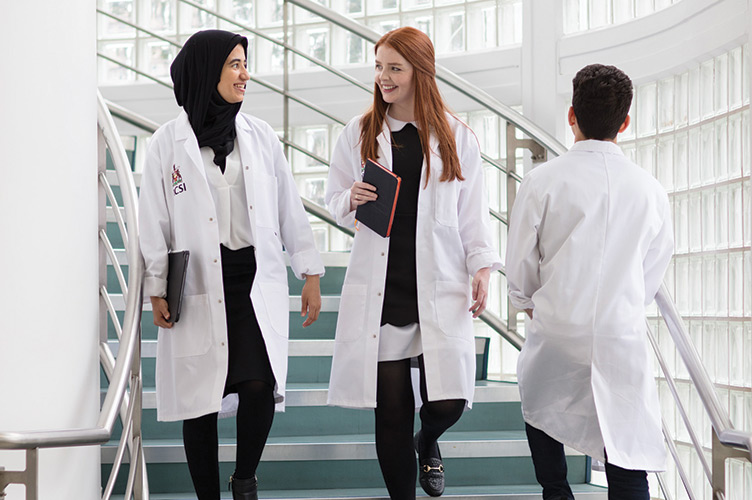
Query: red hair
pixel 430 110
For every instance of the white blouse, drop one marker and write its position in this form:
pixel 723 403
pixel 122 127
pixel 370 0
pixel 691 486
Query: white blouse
pixel 228 192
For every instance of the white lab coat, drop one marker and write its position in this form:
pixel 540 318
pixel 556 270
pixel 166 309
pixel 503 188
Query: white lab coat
pixel 453 242
pixel 177 212
pixel 590 239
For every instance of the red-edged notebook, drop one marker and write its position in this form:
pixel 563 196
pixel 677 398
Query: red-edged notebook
pixel 378 215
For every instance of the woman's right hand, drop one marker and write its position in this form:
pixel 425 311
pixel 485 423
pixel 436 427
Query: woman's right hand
pixel 361 193
pixel 161 312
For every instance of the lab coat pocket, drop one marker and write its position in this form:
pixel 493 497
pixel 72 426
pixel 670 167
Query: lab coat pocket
pixel 266 203
pixel 452 303
pixel 276 298
pixel 446 203
pixel 352 313
pixel 191 336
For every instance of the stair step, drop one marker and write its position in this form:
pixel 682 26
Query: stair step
pixel 297 347
pixel 315 394
pixel 508 492
pixel 479 444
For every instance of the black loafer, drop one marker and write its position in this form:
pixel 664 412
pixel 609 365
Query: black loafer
pixel 431 471
pixel 244 489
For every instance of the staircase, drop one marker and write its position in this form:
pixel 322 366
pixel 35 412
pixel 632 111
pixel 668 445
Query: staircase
pixel 322 452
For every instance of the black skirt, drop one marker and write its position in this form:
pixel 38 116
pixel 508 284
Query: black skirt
pixel 248 359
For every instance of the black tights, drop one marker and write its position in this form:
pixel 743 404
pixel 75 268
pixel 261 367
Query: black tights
pixel 395 413
pixel 200 438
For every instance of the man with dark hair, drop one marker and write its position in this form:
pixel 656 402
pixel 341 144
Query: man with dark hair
pixel 590 238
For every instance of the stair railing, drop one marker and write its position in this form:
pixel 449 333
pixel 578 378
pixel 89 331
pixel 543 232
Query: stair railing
pixel 123 395
pixel 727 442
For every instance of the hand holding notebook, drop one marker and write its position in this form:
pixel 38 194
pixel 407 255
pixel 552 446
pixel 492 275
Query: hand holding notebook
pixel 378 215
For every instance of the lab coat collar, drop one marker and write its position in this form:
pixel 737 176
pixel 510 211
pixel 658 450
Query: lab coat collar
pixel 385 145
pixel 184 133
pixel 597 147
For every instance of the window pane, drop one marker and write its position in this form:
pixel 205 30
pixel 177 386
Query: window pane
pixel 681 168
pixel 693 95
pixel 665 170
pixel 193 19
pixel 666 104
pixel 646 109
pixel 707 109
pixel 623 10
pixel 122 9
pixel 721 83
pixel 161 15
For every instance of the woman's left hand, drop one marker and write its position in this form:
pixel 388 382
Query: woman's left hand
pixel 480 291
pixel 310 299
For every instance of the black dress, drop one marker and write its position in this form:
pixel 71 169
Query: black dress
pixel 401 289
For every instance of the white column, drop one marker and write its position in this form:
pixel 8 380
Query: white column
pixel 49 370
pixel 541 102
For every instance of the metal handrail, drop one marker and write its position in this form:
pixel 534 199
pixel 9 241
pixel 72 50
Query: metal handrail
pixel 103 430
pixel 444 75
pixel 286 46
pixel 116 393
pixel 719 418
pixel 727 435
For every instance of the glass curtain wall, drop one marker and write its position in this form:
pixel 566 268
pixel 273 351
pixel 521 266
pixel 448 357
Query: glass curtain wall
pixel 583 15
pixel 691 131
pixel 454 25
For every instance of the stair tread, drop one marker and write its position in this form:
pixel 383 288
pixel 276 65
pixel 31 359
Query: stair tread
pixel 454 444
pixel 315 393
pixel 517 492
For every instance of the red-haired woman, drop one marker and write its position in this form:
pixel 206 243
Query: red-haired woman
pixel 414 294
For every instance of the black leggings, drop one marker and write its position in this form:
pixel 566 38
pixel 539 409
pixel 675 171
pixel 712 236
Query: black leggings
pixel 200 438
pixel 395 413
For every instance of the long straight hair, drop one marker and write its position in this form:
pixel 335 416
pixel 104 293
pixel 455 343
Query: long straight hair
pixel 430 110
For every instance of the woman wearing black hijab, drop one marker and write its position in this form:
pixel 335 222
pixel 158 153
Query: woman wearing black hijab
pixel 216 183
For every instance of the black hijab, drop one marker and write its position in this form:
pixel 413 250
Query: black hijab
pixel 195 73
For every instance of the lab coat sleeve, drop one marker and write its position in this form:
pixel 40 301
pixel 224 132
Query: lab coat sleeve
pixel 472 209
pixel 294 227
pixel 523 256
pixel 341 178
pixel 659 254
pixel 154 225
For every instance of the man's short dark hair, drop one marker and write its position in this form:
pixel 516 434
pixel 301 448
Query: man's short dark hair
pixel 601 98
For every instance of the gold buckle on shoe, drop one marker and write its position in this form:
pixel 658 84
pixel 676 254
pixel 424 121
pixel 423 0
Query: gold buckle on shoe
pixel 428 468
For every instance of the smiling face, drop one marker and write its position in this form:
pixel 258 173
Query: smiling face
pixel 394 76
pixel 234 76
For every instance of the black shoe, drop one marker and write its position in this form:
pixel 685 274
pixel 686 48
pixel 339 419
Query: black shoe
pixel 244 489
pixel 431 471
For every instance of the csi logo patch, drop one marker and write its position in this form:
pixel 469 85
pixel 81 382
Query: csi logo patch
pixel 178 186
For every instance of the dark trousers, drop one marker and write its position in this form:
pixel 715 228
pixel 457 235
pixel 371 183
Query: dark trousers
pixel 551 471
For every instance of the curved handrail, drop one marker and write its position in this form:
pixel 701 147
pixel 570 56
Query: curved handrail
pixel 719 418
pixel 443 74
pixel 103 430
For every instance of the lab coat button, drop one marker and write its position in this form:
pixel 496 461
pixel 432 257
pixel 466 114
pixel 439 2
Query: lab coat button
pixel 246 167
pixel 382 254
pixel 250 206
pixel 379 294
pixel 222 344
pixel 211 219
pixel 220 301
pixel 215 261
pixel 374 335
